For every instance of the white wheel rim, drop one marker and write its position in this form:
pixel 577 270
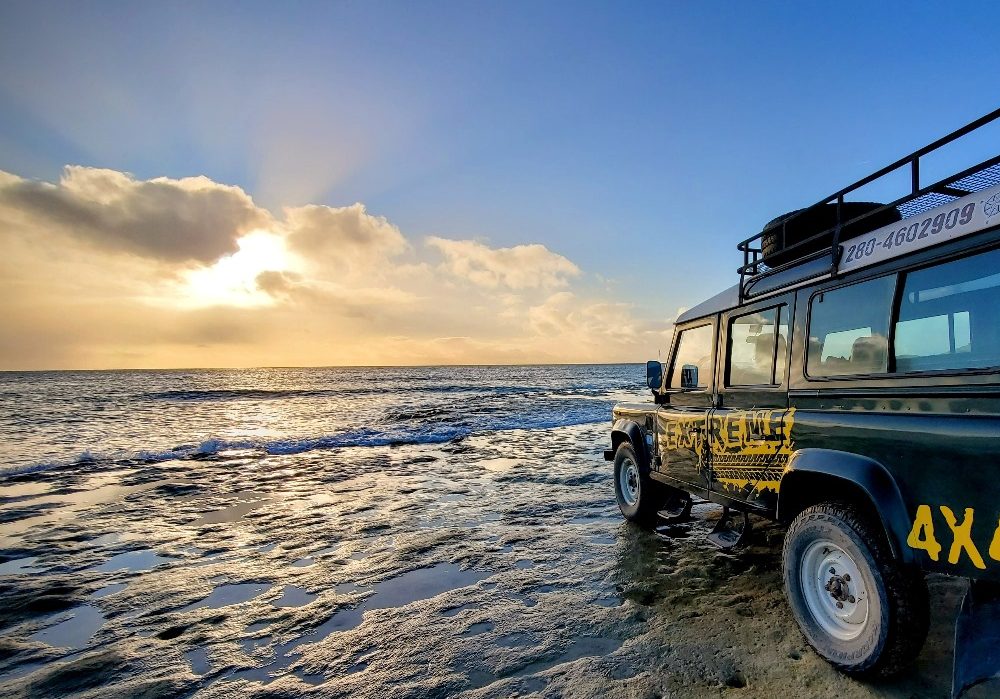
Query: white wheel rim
pixel 834 590
pixel 628 481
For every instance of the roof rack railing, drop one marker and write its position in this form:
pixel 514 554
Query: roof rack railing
pixel 754 268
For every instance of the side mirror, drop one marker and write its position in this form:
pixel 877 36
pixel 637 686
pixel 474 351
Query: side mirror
pixel 689 376
pixel 654 374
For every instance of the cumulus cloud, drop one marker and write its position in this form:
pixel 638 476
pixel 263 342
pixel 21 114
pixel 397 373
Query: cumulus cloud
pixel 175 220
pixel 597 325
pixel 276 282
pixel 236 286
pixel 347 235
pixel 520 267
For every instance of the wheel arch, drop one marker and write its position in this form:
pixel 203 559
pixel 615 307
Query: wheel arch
pixel 629 431
pixel 816 475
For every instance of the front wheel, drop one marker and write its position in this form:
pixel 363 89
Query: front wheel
pixel 856 606
pixel 639 496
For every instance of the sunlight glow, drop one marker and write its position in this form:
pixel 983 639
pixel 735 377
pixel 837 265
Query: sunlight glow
pixel 232 281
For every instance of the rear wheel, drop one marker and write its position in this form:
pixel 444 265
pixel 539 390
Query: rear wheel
pixel 855 605
pixel 639 496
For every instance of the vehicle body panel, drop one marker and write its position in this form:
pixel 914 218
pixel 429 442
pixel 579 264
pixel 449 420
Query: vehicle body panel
pixel 923 446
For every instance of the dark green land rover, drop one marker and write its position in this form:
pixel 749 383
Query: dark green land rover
pixel 848 386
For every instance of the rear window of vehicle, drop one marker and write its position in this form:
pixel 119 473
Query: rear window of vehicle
pixel 948 316
pixel 849 329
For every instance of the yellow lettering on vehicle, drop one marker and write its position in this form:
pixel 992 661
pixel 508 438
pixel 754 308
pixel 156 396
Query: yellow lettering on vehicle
pixel 750 448
pixel 963 537
pixel 995 545
pixel 922 534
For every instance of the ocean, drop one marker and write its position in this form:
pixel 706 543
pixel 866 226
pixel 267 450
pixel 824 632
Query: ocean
pixel 369 533
pixel 51 419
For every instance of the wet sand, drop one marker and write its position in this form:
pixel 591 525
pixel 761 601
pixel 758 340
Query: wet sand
pixel 490 567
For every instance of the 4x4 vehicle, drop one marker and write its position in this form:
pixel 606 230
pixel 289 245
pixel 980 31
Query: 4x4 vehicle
pixel 848 386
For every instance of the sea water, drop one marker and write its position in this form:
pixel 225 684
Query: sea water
pixel 52 419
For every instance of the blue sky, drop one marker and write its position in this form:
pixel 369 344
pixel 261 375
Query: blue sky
pixel 641 141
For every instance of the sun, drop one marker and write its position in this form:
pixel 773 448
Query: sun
pixel 232 281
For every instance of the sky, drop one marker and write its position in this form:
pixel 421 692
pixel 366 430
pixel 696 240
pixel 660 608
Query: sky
pixel 390 183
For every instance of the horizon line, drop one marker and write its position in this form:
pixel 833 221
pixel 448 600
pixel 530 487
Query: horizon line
pixel 322 366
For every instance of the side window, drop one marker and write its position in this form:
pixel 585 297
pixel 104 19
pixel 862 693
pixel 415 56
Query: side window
pixel 849 329
pixel 947 316
pixel 694 346
pixel 751 349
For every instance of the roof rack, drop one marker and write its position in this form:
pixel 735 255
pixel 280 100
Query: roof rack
pixel 756 277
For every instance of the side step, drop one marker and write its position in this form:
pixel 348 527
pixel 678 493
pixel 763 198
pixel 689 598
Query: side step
pixel 676 510
pixel 729 535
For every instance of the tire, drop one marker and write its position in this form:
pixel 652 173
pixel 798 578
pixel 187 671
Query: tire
pixel 816 220
pixel 883 621
pixel 639 496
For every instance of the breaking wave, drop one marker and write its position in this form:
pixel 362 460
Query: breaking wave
pixel 437 433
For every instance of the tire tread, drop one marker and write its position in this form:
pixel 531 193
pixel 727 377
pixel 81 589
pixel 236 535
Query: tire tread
pixel 909 611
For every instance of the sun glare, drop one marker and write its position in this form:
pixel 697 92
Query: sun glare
pixel 232 281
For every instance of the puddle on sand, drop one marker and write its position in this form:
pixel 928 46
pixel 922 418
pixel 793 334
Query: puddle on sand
pixel 225 595
pixel 108 590
pixel 144 559
pixel 74 632
pixel 198 660
pixel 416 585
pixel 476 629
pixel 293 596
pixel 233 512
pixel 500 463
pixel 20 566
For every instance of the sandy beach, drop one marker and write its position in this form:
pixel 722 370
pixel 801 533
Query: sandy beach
pixel 438 570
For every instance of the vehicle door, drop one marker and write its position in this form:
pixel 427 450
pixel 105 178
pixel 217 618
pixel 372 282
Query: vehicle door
pixel 749 432
pixel 681 423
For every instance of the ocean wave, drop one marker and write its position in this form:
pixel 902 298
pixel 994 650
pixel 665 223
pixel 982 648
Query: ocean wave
pixel 241 394
pixel 362 437
pixel 224 394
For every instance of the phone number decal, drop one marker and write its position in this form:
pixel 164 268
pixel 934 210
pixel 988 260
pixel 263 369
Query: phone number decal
pixel 954 220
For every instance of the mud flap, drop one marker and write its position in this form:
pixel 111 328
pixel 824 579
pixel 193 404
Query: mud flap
pixel 977 637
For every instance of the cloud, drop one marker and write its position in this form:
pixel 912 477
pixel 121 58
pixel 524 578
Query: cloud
pixel 347 236
pixel 277 283
pixel 190 219
pixel 520 267
pixel 595 326
pixel 225 283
